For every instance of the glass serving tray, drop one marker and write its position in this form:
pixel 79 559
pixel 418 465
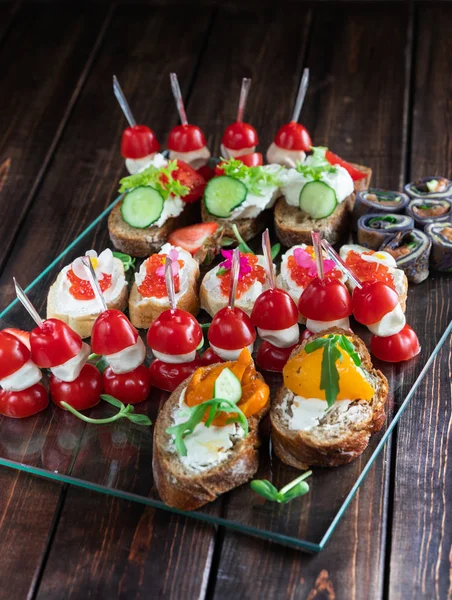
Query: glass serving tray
pixel 116 459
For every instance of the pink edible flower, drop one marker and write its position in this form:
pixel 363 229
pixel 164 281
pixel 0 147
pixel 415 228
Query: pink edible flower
pixel 175 267
pixel 305 260
pixel 245 267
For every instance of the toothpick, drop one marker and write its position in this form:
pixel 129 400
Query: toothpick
pixel 267 252
pixel 301 95
pixel 23 299
pixel 235 270
pixel 340 263
pixel 244 90
pixel 123 102
pixel 169 280
pixel 175 88
pixel 94 283
pixel 317 243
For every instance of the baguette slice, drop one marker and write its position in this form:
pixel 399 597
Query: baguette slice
pixel 343 433
pixel 184 489
pixel 144 242
pixel 294 226
pixel 248 228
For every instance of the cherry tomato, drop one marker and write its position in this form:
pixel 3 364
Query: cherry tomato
pixel 271 358
pixel 231 328
pixel 305 335
pixel 187 176
pixel 373 301
pixel 240 135
pixel 25 403
pixel 112 332
pixel 167 377
pixel 174 332
pixel 130 388
pixel 396 348
pixel 325 300
pixel 206 172
pixel 53 343
pixel 23 336
pixel 13 354
pixel 82 393
pixel 186 138
pixel 274 309
pixel 293 136
pixel 209 358
pixel 354 173
pixel 138 141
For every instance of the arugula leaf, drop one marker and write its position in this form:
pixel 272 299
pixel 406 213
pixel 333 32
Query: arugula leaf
pixel 160 179
pixel 255 178
pixel 127 261
pixel 347 345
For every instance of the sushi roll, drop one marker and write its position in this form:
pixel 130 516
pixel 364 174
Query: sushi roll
pixel 379 201
pixel 374 229
pixel 429 187
pixel 441 236
pixel 411 250
pixel 429 211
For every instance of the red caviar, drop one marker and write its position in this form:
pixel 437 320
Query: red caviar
pixel 257 273
pixel 81 289
pixel 368 271
pixel 301 276
pixel 153 285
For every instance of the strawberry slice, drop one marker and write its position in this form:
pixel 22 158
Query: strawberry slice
pixel 193 237
pixel 334 159
pixel 23 336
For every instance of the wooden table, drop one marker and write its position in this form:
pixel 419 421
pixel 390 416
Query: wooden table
pixel 380 94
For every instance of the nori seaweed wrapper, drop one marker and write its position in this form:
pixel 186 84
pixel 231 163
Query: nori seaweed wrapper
pixel 441 236
pixel 411 250
pixel 375 200
pixel 436 210
pixel 374 229
pixel 429 187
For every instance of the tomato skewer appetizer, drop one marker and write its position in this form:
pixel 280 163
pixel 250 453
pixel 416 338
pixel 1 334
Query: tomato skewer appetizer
pixel 240 138
pixel 275 315
pixel 139 143
pixel 186 142
pixel 174 338
pixel 292 140
pixel 231 329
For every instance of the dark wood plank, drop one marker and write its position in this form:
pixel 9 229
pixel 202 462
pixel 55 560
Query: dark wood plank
pixel 7 12
pixel 420 565
pixel 42 61
pixel 340 111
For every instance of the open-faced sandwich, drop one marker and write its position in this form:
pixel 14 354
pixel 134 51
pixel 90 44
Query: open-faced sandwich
pixel 316 195
pixel 71 298
pixel 156 201
pixel 239 195
pixel 149 297
pixel 331 401
pixel 206 434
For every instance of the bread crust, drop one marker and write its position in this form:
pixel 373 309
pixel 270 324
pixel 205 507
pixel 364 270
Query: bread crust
pixel 303 449
pixel 362 184
pixel 293 226
pixel 187 490
pixel 248 228
pixel 144 242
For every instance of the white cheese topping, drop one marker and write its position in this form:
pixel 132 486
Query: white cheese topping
pixel 230 354
pixel 70 370
pixel 136 165
pixel 128 359
pixel 254 204
pixel 195 158
pixel 281 338
pixel 390 324
pixel 286 158
pixel 317 326
pixel 175 359
pixel 23 378
pixel 229 153
pixel 306 412
pixel 292 182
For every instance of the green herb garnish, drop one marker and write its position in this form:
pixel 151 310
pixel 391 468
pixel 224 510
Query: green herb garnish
pixel 216 406
pixel 319 165
pixel 125 412
pixel 127 261
pixel 245 249
pixel 294 489
pixel 329 378
pixel 253 177
pixel 160 179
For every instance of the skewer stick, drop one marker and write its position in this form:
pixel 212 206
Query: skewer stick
pixel 235 270
pixel 169 280
pixel 317 243
pixel 301 95
pixel 267 251
pixel 175 88
pixel 23 299
pixel 244 90
pixel 94 283
pixel 340 263
pixel 123 102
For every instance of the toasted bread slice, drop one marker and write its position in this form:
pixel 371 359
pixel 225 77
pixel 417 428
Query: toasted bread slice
pixel 143 310
pixel 294 226
pixel 186 489
pixel 343 433
pixel 362 184
pixel 248 228
pixel 144 242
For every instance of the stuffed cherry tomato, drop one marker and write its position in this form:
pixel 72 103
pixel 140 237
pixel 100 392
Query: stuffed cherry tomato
pixel 138 146
pixel 23 403
pixel 187 142
pixel 231 330
pixel 325 303
pixel 175 336
pixel 376 305
pixel 167 376
pixel 290 145
pixel 82 393
pixel 239 139
pixel 396 348
pixel 17 369
pixel 131 387
pixel 276 317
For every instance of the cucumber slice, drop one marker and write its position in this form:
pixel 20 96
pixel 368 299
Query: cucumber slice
pixel 227 386
pixel 223 194
pixel 318 199
pixel 142 206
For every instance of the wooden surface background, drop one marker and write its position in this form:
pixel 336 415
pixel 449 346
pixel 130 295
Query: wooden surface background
pixel 380 94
